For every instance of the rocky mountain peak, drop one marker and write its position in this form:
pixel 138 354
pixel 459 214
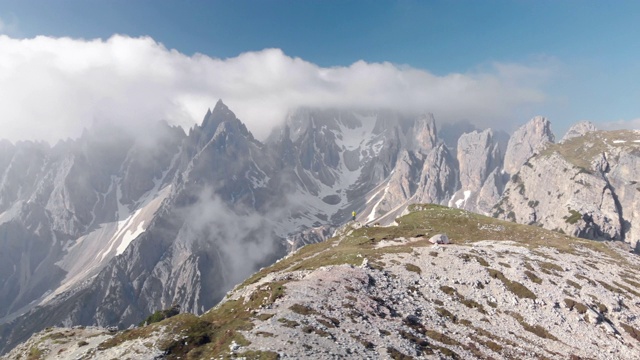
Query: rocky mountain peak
pixel 424 133
pixel 213 119
pixel 478 156
pixel 177 219
pixel 527 141
pixel 594 192
pixel 579 129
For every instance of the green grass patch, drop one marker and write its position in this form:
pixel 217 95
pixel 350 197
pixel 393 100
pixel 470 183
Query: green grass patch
pixel 34 353
pixel 473 305
pixel 446 314
pixel 574 284
pixel 631 331
pixel 626 288
pixel 413 268
pixel 533 277
pixel 584 278
pixel 160 315
pixel 580 151
pixel 573 217
pixel 259 355
pixel 302 309
pixel 495 347
pixel 265 317
pixel 395 354
pixel 534 329
pixel 550 266
pixel 515 287
pixel 613 289
pixel 578 306
pixel 448 290
pixel 631 282
pixel 442 338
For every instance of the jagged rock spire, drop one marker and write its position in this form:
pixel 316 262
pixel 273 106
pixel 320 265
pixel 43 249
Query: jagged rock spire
pixel 526 142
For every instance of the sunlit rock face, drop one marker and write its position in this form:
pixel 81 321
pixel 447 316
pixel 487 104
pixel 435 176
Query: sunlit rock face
pixel 440 283
pixel 527 141
pixel 584 187
pixel 479 160
pixel 108 228
pixel 579 129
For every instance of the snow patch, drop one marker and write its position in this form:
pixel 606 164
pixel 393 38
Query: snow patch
pixel 372 215
pixel 351 139
pixel 461 202
pixel 619 141
pixel 11 213
pixel 130 234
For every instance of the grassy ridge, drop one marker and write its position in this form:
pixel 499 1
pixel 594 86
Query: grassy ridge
pixel 211 334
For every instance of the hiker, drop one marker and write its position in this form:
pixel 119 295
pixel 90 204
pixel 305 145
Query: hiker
pixel 353 216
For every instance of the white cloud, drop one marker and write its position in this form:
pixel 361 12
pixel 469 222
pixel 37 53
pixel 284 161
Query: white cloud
pixel 53 87
pixel 620 124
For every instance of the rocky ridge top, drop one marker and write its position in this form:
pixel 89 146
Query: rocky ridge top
pixel 527 141
pixel 579 129
pixel 592 189
pixel 500 290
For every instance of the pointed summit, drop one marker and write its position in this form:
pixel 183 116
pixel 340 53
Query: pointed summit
pixel 525 142
pixel 212 120
pixel 425 137
pixel 579 129
pixel 220 106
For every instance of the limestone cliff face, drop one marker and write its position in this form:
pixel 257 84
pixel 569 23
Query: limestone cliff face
pixel 438 177
pixel 479 157
pixel 424 172
pixel 424 134
pixel 527 141
pixel 584 187
pixel 623 175
pixel 108 228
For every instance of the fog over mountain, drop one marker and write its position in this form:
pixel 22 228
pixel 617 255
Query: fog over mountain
pixel 113 226
pixel 55 87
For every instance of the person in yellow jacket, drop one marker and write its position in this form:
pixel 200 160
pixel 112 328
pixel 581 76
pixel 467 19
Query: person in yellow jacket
pixel 353 215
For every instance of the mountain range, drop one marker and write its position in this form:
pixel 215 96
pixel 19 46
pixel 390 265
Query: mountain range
pixel 109 228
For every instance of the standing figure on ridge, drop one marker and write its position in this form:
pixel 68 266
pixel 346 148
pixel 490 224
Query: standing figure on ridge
pixel 353 215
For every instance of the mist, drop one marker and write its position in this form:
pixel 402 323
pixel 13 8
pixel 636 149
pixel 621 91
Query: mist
pixel 53 88
pixel 243 241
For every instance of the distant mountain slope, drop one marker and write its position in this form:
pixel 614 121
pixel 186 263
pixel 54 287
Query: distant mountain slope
pixel 106 229
pixel 586 186
pixel 500 290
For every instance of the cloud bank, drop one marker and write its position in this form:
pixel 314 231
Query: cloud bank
pixel 621 124
pixel 52 88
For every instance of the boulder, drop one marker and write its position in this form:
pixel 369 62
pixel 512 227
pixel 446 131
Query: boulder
pixel 439 239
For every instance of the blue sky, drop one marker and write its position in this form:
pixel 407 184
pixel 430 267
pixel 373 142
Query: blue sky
pixel 581 57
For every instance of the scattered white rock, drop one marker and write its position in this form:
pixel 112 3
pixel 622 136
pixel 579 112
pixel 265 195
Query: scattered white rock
pixel 234 346
pixel 439 239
